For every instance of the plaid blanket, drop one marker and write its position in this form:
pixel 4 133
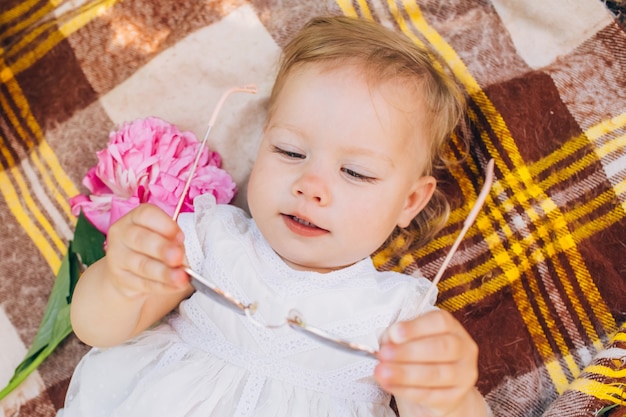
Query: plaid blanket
pixel 540 279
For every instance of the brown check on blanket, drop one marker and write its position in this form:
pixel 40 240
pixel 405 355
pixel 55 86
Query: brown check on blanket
pixel 540 280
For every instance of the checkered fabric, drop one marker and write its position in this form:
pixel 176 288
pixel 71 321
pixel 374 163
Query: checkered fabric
pixel 540 280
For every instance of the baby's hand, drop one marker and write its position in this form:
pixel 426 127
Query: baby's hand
pixel 430 365
pixel 145 253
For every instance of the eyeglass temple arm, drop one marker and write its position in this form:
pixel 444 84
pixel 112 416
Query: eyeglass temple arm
pixel 471 217
pixel 251 89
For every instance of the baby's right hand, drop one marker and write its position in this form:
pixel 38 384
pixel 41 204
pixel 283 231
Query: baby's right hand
pixel 145 253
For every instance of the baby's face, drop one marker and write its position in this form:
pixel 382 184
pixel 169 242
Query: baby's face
pixel 338 168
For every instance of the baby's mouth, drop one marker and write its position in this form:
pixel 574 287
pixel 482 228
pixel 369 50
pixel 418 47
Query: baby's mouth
pixel 302 221
pixel 301 225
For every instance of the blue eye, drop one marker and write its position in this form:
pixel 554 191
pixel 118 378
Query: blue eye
pixel 288 154
pixel 359 177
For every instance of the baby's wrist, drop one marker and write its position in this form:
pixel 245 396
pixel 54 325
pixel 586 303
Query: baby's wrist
pixel 474 405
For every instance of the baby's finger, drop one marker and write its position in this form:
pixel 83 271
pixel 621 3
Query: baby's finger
pixel 154 218
pixel 446 347
pixel 147 222
pixel 432 323
pixel 132 284
pixel 440 375
pixel 150 269
pixel 150 231
pixel 151 244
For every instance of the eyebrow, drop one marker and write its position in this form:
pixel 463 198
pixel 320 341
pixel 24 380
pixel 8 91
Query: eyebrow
pixel 288 128
pixel 356 150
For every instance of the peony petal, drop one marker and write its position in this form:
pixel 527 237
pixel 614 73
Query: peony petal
pixel 95 209
pixel 77 202
pixel 163 199
pixel 94 184
pixel 214 180
pixel 121 206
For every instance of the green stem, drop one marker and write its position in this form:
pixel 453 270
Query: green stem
pixel 19 377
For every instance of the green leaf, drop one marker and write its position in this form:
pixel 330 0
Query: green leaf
pixel 88 241
pixel 54 328
pixel 75 268
pixel 86 248
pixel 61 329
pixel 605 410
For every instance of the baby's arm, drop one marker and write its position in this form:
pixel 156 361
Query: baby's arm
pixel 140 279
pixel 430 366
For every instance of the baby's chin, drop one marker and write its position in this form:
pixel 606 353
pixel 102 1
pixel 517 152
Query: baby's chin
pixel 315 267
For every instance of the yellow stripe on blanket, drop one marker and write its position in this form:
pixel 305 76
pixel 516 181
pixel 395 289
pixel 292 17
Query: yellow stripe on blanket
pixel 607 126
pixel 347 8
pixel 13 185
pixel 20 212
pixel 365 9
pixel 621 336
pixel 20 201
pixel 19 10
pixel 52 164
pixel 32 19
pixel 567 241
pixel 606 371
pixel 608 392
pixel 79 19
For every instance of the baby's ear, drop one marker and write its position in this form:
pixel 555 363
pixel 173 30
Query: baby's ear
pixel 417 199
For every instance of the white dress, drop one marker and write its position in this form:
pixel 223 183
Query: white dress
pixel 207 360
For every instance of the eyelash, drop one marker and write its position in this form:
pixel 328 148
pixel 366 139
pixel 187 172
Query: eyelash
pixel 352 174
pixel 358 177
pixel 288 154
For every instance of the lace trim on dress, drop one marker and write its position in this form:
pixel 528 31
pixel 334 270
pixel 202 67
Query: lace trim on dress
pixel 340 383
pixel 251 394
pixel 345 329
pixel 193 250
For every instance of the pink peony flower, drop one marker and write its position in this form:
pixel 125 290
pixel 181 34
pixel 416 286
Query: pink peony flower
pixel 148 161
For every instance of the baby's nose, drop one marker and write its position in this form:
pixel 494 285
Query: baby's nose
pixel 312 186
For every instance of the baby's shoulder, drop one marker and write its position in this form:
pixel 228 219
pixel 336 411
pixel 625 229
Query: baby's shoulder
pixel 398 279
pixel 408 291
pixel 398 283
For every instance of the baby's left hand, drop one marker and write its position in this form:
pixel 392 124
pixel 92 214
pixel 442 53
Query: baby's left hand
pixel 430 365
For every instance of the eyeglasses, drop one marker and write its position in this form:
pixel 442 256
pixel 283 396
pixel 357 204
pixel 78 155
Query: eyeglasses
pixel 294 318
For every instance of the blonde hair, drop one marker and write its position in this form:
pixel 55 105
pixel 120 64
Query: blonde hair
pixel 385 55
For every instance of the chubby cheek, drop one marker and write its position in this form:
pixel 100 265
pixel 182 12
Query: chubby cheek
pixel 364 236
pixel 251 196
pixel 372 219
pixel 260 186
pixel 266 170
